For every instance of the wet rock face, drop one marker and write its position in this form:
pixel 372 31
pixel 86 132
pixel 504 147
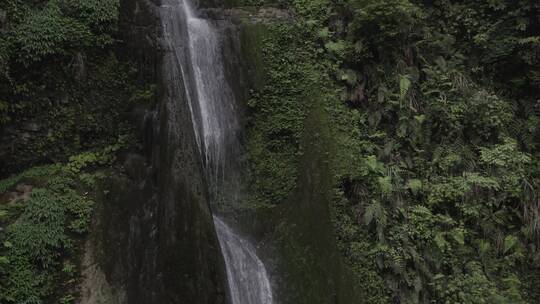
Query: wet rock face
pixel 155 230
pixel 15 135
pixel 139 28
pixel 264 15
pixel 152 241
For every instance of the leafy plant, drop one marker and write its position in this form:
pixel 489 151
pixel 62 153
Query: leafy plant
pixel 40 236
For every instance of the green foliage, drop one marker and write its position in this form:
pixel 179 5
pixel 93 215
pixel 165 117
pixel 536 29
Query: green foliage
pixel 60 75
pixel 497 36
pixel 450 178
pixel 63 91
pixel 99 15
pixel 387 23
pixel 404 85
pixel 46 33
pixel 42 234
pixel 88 160
pixel 60 27
pixel 277 113
pixel 31 174
pixel 436 140
pixel 311 10
pixel 87 118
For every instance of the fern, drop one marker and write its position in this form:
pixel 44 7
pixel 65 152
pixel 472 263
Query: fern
pixel 404 85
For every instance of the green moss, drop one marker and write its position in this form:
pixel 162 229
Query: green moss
pixel 275 116
pixel 305 235
pixel 252 37
pixel 294 119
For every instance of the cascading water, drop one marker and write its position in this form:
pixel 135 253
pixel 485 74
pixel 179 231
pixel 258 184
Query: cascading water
pixel 248 280
pixel 200 72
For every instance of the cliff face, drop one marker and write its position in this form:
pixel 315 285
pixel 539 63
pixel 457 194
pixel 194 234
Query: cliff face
pixel 155 236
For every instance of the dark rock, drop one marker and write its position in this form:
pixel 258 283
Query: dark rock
pixel 24 188
pixel 9 130
pixel 79 67
pixel 10 197
pixel 31 126
pixel 25 136
pixel 22 193
pixel 139 28
pixel 135 168
pixel 3 21
pixel 157 235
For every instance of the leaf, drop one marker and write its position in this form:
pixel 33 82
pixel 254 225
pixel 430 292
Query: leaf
pixel 415 185
pixel 349 76
pixel 483 247
pixel 441 241
pixel 375 211
pixel 336 48
pixel 402 129
pixel 509 243
pixel 438 276
pixel 398 264
pixel 404 85
pixel 529 40
pixel 458 236
pixel 420 118
pixel 324 33
pixel 373 164
pixel 385 185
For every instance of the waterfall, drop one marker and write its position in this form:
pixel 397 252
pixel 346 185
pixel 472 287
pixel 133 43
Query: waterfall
pixel 199 69
pixel 248 281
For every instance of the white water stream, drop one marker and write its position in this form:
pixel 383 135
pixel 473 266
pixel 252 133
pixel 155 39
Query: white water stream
pixel 199 65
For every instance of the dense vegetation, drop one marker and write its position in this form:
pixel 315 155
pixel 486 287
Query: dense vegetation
pixel 47 213
pixel 436 130
pixel 63 89
pixel 65 100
